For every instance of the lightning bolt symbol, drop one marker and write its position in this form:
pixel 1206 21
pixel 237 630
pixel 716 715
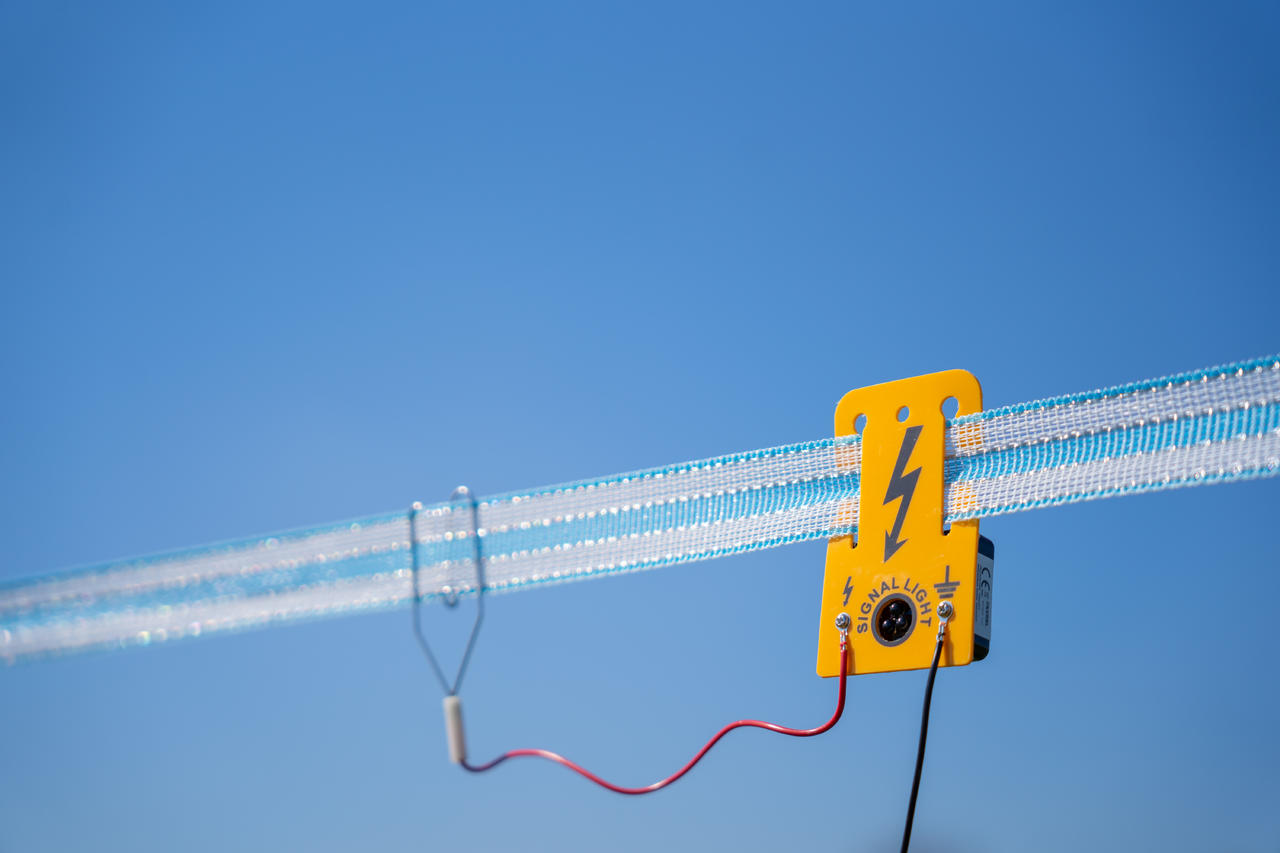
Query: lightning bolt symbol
pixel 901 485
pixel 848 589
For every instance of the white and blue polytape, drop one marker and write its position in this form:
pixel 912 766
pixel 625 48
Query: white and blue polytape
pixel 1208 426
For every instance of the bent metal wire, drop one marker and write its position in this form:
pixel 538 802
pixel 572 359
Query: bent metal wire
pixel 1206 426
pixel 450 597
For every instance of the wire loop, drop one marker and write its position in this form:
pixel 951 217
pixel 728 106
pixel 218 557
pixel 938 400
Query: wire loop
pixel 450 595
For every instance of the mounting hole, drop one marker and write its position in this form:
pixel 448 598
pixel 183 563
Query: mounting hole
pixel 859 424
pixel 903 414
pixel 894 620
pixel 949 407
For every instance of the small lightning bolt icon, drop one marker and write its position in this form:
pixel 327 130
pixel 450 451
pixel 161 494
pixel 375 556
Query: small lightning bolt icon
pixel 848 589
pixel 901 485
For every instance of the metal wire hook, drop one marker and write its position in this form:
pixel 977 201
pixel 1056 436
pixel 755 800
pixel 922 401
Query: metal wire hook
pixel 451 596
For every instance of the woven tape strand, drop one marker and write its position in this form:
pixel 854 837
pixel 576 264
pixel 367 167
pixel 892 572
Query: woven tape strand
pixel 1208 426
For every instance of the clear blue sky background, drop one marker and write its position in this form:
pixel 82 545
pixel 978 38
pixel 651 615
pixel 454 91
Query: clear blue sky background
pixel 271 266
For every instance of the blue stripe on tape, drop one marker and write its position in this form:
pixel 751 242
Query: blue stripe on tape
pixel 1151 437
pixel 1148 438
pixel 1270 362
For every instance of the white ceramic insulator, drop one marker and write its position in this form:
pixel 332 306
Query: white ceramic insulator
pixel 453 729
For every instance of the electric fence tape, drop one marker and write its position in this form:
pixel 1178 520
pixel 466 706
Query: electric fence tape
pixel 1212 425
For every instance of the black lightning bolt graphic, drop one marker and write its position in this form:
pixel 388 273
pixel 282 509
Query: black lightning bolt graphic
pixel 848 589
pixel 901 485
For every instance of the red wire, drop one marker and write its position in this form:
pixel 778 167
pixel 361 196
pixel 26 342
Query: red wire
pixel 662 783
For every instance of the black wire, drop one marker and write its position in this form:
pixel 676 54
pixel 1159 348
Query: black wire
pixel 479 620
pixel 924 734
pixel 417 601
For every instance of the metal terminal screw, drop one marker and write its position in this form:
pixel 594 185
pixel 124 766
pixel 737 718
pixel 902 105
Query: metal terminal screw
pixel 843 621
pixel 945 610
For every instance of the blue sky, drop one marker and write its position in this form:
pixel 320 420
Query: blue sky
pixel 268 267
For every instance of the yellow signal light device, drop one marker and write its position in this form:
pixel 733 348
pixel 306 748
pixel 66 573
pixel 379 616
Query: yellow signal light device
pixel 890 577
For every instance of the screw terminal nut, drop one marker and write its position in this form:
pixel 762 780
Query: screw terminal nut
pixel 843 622
pixel 945 610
